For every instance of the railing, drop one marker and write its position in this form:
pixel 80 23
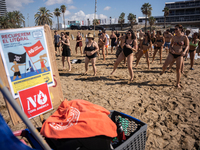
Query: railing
pixel 183 5
pixel 186 13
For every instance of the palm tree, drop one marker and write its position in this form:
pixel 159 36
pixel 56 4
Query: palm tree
pixel 57 13
pixel 4 24
pixel 63 9
pixel 19 18
pixel 121 19
pixel 11 19
pixel 146 10
pixel 166 13
pixel 132 19
pixel 151 22
pixel 95 22
pixel 43 16
pixel 88 21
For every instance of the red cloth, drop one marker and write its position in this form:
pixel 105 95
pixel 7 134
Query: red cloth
pixel 79 119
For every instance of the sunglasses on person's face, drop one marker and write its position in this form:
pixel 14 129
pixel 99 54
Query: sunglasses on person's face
pixel 176 28
pixel 128 33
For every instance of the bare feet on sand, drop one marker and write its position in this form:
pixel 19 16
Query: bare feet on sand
pixel 112 72
pixel 161 72
pixel 178 86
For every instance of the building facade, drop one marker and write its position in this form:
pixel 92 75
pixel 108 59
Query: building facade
pixel 183 12
pixel 3 9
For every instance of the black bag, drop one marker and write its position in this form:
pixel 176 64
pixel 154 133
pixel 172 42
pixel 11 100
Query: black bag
pixel 91 143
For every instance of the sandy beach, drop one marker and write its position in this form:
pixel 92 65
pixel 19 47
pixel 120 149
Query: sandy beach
pixel 172 115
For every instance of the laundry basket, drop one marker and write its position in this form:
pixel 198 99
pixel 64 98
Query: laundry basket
pixel 134 130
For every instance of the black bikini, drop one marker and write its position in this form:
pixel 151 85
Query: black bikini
pixel 143 43
pixel 127 51
pixel 179 44
pixel 91 48
pixel 155 47
pixel 175 55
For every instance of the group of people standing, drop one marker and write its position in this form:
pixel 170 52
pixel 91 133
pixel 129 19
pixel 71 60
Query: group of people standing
pixel 177 47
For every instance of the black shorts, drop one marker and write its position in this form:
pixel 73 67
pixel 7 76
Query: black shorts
pixel 17 73
pixel 56 45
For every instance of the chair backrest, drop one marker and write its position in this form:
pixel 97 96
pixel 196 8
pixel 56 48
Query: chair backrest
pixel 7 139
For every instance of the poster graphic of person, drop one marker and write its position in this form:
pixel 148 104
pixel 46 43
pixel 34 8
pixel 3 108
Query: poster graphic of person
pixel 18 60
pixel 42 62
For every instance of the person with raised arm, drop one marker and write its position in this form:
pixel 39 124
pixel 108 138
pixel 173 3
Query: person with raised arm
pixel 129 46
pixel 176 52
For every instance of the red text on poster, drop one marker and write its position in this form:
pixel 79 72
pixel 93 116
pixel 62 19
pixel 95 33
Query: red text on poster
pixel 35 100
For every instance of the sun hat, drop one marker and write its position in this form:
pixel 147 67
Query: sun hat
pixel 90 36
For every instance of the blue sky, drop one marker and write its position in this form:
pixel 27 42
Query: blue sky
pixel 83 9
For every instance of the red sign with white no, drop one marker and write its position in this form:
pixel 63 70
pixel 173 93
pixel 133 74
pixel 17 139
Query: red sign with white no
pixel 35 100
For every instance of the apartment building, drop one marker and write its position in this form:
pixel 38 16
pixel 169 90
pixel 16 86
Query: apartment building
pixel 3 9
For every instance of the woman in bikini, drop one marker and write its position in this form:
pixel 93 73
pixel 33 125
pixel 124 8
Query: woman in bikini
pixel 91 49
pixel 194 43
pixel 145 46
pixel 79 43
pixel 186 52
pixel 176 52
pixel 113 39
pixel 158 45
pixel 130 45
pixel 102 42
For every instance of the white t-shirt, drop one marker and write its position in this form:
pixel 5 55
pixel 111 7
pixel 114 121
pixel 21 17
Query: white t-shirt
pixel 107 36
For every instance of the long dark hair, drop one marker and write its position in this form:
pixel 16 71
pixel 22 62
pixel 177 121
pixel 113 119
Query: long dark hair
pixel 158 32
pixel 148 36
pixel 132 34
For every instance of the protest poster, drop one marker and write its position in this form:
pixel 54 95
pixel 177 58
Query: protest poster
pixel 25 57
pixel 56 93
pixel 35 100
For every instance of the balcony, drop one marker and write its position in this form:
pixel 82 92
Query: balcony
pixel 183 5
pixel 183 19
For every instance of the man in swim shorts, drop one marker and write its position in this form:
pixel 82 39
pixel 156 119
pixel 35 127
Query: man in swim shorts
pixel 168 37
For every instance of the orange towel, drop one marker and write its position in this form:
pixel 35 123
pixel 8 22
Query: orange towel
pixel 79 119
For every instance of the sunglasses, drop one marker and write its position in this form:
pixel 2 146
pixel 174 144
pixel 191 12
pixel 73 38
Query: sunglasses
pixel 128 33
pixel 176 28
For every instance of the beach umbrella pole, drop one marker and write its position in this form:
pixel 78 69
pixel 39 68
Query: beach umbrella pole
pixel 6 93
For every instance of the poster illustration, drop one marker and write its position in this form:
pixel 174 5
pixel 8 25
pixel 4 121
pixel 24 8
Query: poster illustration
pixel 25 56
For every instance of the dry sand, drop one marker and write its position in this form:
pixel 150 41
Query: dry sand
pixel 172 115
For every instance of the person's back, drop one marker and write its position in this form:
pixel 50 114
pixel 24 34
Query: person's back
pixel 108 38
pixel 56 37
